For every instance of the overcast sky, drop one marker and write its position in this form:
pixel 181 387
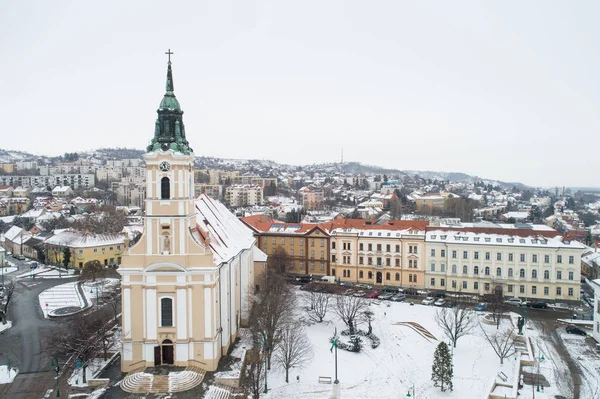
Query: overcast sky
pixel 505 90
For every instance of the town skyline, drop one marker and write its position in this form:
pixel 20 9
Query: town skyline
pixel 481 90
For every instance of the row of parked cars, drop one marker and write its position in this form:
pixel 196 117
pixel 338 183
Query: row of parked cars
pixel 529 304
pixel 385 294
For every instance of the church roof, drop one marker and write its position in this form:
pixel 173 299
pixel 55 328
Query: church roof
pixel 228 235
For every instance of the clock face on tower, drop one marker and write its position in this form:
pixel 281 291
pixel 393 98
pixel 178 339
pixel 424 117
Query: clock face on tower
pixel 165 166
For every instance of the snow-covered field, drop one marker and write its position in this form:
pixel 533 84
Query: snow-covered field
pixel 7 376
pixel 43 271
pixel 588 360
pixel 60 296
pixel 404 358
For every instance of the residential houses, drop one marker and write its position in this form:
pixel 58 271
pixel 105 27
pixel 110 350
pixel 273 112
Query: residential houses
pixel 104 248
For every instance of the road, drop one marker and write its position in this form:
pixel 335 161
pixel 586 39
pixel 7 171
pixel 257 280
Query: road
pixel 22 344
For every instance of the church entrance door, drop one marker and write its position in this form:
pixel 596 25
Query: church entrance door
pixel 157 355
pixel 167 352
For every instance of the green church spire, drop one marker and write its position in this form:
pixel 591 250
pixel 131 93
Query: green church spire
pixel 169 131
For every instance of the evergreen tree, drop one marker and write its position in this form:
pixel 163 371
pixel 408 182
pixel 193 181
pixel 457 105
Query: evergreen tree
pixel 441 370
pixel 66 257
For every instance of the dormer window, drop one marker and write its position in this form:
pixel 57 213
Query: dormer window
pixel 165 188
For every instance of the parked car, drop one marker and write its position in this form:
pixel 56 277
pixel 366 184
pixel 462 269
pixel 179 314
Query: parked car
pixel 575 330
pixel 386 295
pixel 428 301
pixel 539 305
pixel 374 295
pixel 367 286
pixel 440 302
pixel 389 291
pixel 398 298
pixel 481 306
pixel 20 257
pixel 410 291
pixel 513 301
pixel 359 293
pixel 437 294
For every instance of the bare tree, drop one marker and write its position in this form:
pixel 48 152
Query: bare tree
pixel 319 301
pixel 274 307
pixel 279 261
pixel 102 220
pixel 348 308
pixel 92 270
pixel 254 374
pixel 368 316
pixel 496 306
pixel 502 342
pixel 293 349
pixel 9 290
pixel 112 297
pixel 83 339
pixel 455 322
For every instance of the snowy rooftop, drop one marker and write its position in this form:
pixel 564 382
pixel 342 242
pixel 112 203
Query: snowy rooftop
pixel 507 238
pixel 76 239
pixel 228 235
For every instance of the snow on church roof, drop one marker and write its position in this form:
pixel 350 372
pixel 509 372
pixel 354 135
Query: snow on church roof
pixel 228 235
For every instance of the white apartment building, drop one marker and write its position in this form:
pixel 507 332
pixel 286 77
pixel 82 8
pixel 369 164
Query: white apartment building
pixel 106 174
pixel 26 165
pixel 244 195
pixel 75 181
pixel 529 263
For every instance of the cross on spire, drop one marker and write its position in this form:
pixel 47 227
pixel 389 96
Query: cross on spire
pixel 169 54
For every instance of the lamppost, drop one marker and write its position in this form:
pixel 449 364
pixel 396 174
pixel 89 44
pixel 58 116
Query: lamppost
pixel 540 359
pixel 92 292
pixel 54 363
pixel 451 347
pixel 408 395
pixel 336 382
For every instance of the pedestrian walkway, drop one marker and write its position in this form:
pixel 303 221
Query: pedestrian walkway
pixel 418 328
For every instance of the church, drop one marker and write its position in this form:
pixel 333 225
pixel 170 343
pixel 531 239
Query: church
pixel 186 284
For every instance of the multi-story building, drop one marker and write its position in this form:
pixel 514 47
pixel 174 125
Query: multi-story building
pixel 75 181
pixel 105 248
pixel 217 176
pixel 243 195
pixel 391 253
pixel 304 246
pixel 7 167
pixel 533 262
pixel 26 165
pixel 108 174
pixel 129 194
pixel 312 199
pixel 212 190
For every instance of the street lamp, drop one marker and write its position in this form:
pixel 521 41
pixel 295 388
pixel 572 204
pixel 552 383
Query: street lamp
pixel 266 354
pixel 54 363
pixel 92 292
pixel 540 359
pixel 408 395
pixel 451 347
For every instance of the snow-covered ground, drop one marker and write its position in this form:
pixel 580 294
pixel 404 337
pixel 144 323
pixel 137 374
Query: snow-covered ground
pixel 7 376
pixel 76 378
pixel 60 296
pixel 44 271
pixel 4 327
pixel 67 294
pixel 404 358
pixel 8 270
pixel 584 353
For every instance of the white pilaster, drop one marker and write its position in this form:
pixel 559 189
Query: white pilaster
pixel 127 312
pixel 151 311
pixel 181 313
pixel 208 314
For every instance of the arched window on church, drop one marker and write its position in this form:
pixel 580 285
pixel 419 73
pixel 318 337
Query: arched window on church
pixel 165 188
pixel 166 312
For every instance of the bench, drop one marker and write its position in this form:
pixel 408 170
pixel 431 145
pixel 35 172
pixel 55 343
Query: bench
pixel 502 376
pixel 324 380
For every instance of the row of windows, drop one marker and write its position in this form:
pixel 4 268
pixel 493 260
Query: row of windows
pixel 488 256
pixel 103 249
pixel 312 241
pixel 486 287
pixel 412 278
pixel 487 270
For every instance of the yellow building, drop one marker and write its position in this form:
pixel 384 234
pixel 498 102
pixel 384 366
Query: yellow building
pixel 529 263
pixel 105 248
pixel 391 253
pixel 305 247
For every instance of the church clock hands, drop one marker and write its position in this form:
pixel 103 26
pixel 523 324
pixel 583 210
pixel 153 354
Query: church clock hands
pixel 165 166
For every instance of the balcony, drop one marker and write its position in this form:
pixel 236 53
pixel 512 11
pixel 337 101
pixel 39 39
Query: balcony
pixel 378 267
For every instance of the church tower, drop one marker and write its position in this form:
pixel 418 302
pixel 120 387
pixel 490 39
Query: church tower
pixel 170 283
